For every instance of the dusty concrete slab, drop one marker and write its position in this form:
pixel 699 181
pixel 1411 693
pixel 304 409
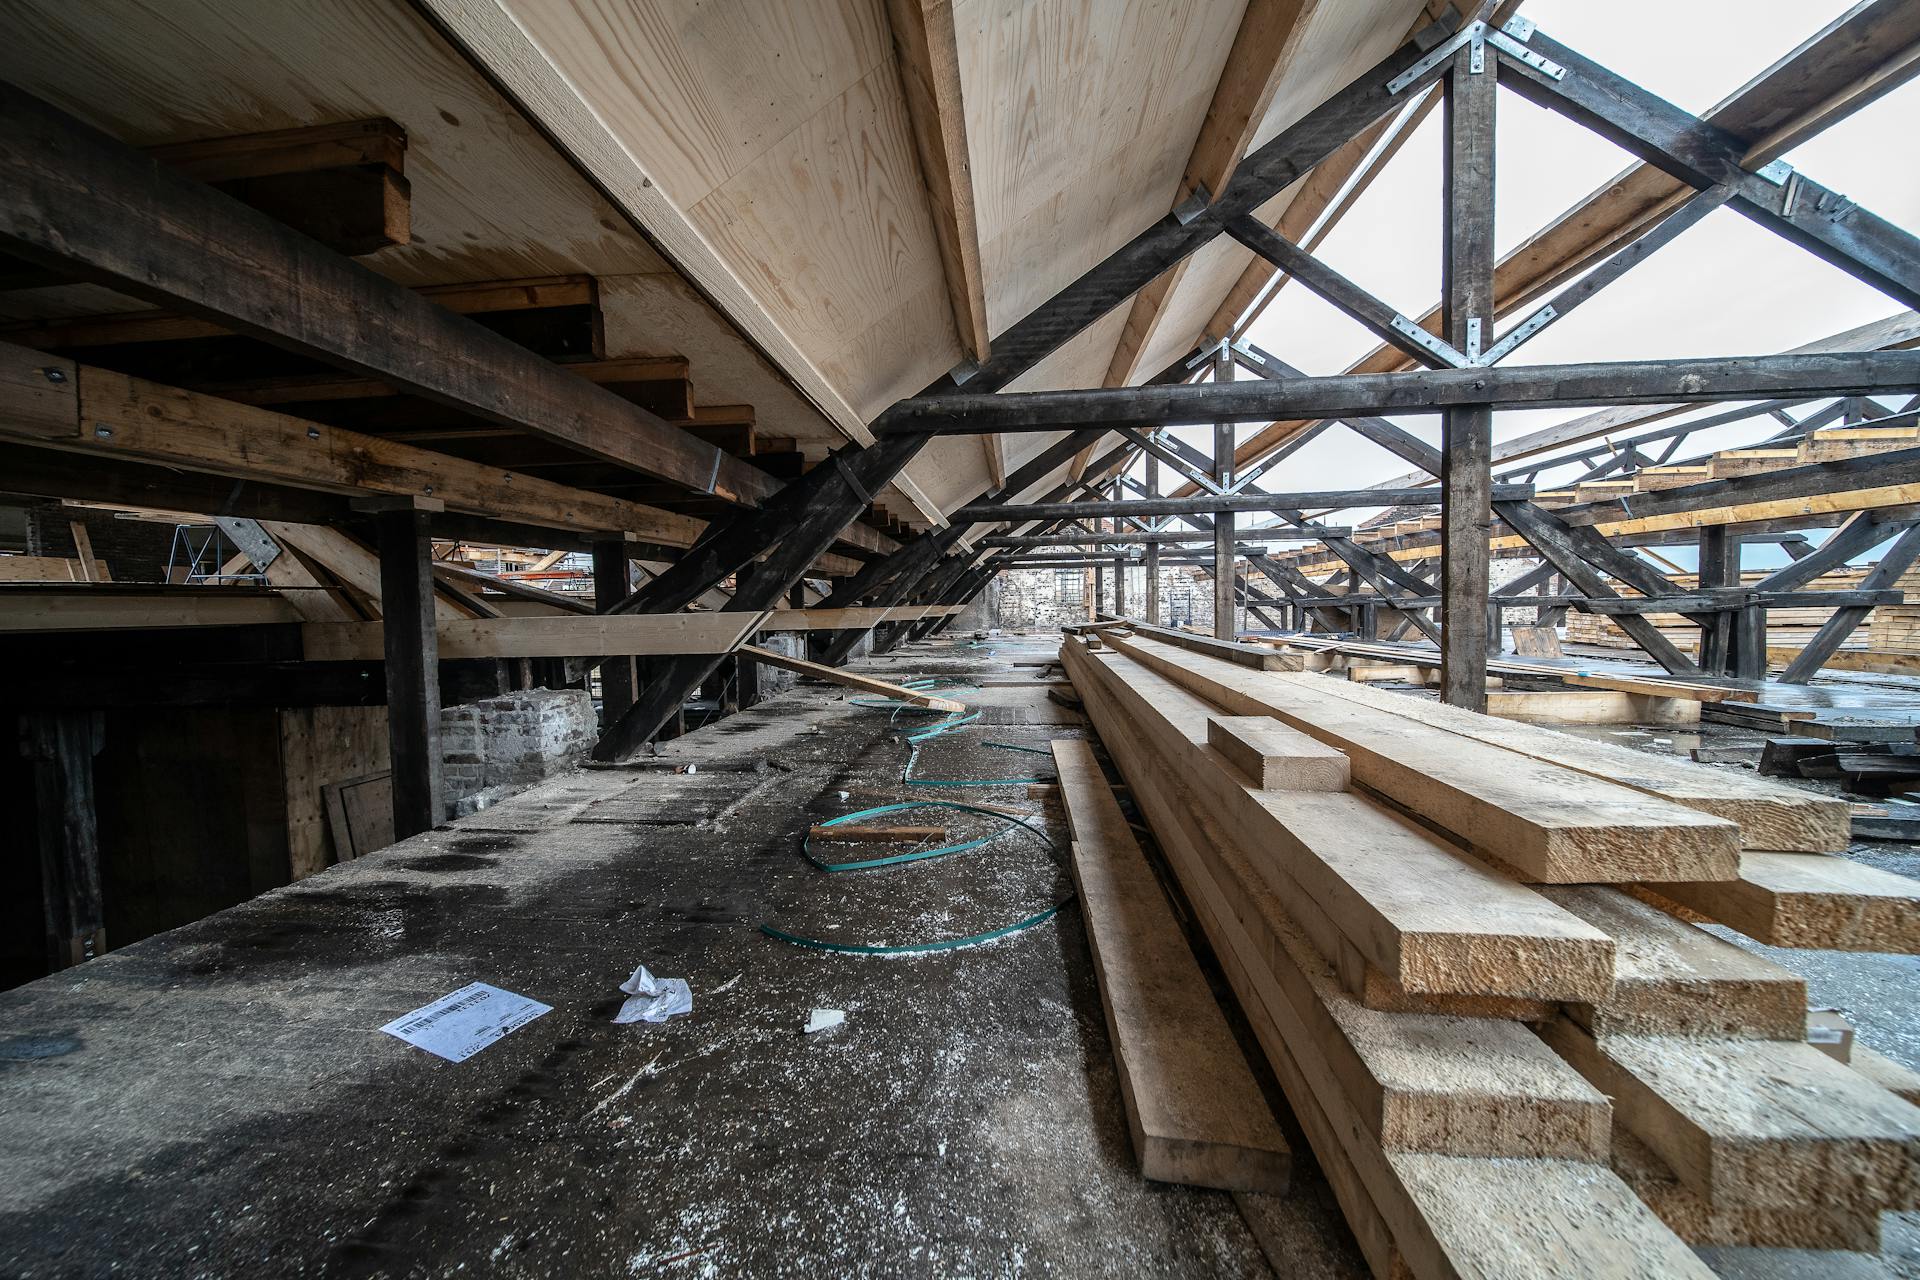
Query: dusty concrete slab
pixel 218 1100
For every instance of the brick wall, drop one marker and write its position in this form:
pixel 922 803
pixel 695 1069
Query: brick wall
pixel 134 550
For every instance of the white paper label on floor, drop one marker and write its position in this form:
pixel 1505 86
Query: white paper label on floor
pixel 462 1023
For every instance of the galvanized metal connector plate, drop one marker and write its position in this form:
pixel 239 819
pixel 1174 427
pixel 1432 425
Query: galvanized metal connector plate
pixel 1440 350
pixel 1466 35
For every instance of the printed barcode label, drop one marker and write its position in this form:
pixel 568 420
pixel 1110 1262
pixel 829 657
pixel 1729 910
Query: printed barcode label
pixel 462 1023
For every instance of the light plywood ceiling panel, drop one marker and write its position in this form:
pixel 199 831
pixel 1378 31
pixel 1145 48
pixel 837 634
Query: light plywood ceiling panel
pixel 1342 40
pixel 1080 116
pixel 491 200
pixel 782 133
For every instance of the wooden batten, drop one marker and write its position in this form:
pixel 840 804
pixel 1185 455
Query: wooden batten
pixel 1195 1111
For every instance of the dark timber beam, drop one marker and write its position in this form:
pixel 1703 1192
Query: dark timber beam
pixel 1161 537
pixel 1226 621
pixel 412 650
pixel 1554 541
pixel 1834 632
pixel 1425 391
pixel 1820 220
pixel 612 582
pixel 1466 432
pixel 1862 531
pixel 1212 504
pixel 1344 295
pixel 76 200
pixel 1393 439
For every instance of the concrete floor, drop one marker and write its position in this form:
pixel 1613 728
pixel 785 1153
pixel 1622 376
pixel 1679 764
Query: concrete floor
pixel 218 1100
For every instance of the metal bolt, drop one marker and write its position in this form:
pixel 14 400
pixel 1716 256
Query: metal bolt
pixel 102 430
pixel 54 375
pixel 313 433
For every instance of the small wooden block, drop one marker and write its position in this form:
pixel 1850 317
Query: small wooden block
pixel 1276 757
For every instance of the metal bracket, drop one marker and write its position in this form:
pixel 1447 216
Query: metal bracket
pixel 964 372
pixel 1472 31
pixel 1520 333
pixel 1520 28
pixel 1194 205
pixel 1476 55
pixel 853 482
pixel 1777 173
pixel 1519 52
pixel 1240 483
pixel 1441 351
pixel 1205 353
pixel 1473 340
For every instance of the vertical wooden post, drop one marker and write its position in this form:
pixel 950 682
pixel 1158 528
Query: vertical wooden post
pixel 1225 622
pixel 1152 585
pixel 1466 437
pixel 612 583
pixel 61 746
pixel 1719 567
pixel 746 670
pixel 1099 593
pixel 1750 642
pixel 413 668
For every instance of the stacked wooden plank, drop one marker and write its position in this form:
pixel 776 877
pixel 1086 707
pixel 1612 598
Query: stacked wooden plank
pixel 1827 445
pixel 1469 958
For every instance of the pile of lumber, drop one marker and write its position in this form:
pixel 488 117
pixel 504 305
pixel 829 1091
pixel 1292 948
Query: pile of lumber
pixel 1864 768
pixel 1787 628
pixel 1467 947
pixel 1894 628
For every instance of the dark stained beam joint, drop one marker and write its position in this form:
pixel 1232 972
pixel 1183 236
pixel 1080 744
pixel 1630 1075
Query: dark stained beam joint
pixel 412 668
pixel 612 583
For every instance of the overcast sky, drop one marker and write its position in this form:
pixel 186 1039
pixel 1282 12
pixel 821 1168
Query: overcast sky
pixel 1724 287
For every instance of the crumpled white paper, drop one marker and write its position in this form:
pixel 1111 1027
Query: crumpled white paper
pixel 654 999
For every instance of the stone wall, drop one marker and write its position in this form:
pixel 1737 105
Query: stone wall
pixel 504 743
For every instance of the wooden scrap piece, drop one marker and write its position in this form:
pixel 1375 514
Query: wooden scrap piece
pixel 1812 900
pixel 852 679
pixel 1195 1111
pixel 1760 1124
pixel 1674 978
pixel 1545 822
pixel 1275 757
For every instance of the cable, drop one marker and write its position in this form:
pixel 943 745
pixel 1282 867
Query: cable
pixel 1008 820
